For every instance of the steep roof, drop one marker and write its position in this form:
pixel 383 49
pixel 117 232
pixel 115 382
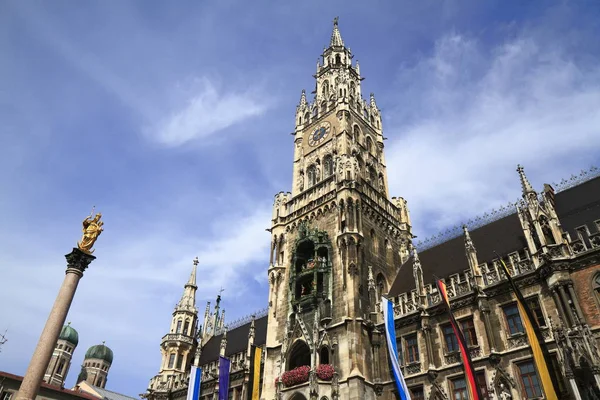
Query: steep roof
pixel 46 386
pixel 103 393
pixel 237 341
pixel 576 206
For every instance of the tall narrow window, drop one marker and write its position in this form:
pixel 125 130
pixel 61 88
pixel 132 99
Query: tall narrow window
pixel 529 380
pixel 536 309
pixel 412 349
pixel 400 351
pixel 186 327
pixel 327 166
pixel 458 388
pixel 171 360
pixel 312 175
pixel 61 366
pixel 450 338
pixel 482 384
pixel 468 329
pixel 178 329
pixel 417 393
pixel 369 145
pixel 179 361
pixel 513 319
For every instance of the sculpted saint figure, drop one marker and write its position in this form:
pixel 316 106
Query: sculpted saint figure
pixel 92 228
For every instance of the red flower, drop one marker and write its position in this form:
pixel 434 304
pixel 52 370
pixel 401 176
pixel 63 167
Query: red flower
pixel 325 372
pixel 296 376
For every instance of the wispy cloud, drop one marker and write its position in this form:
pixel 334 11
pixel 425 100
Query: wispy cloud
pixel 475 113
pixel 205 110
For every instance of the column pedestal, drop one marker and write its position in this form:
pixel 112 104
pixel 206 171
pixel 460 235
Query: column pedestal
pixel 77 262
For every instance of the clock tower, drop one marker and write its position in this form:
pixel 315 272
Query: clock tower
pixel 337 241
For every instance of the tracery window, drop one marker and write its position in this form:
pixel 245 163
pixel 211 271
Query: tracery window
pixel 311 172
pixel 327 166
pixel 597 288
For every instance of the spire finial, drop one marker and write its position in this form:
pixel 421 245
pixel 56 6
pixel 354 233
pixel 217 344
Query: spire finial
pixel 336 37
pixel 69 323
pixel 525 185
pixel 103 342
pixel 196 261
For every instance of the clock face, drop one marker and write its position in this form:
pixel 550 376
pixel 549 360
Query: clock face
pixel 319 135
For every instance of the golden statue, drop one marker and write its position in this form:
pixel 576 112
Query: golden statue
pixel 92 228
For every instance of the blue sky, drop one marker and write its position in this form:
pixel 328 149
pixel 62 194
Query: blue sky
pixel 174 120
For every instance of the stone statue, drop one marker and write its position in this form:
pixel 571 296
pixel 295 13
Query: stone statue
pixel 504 393
pixel 92 228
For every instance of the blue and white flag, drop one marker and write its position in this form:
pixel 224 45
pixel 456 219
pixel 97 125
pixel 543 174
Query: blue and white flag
pixel 390 335
pixel 194 384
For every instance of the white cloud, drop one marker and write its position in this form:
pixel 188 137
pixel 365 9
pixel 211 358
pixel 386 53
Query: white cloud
pixel 471 116
pixel 127 295
pixel 206 111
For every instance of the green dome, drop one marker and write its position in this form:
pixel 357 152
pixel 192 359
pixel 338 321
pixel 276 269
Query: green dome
pixel 69 334
pixel 100 351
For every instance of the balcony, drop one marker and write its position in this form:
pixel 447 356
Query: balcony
pixel 177 337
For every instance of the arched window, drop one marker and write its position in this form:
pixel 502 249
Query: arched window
pixel 327 166
pixel 315 112
pixel 338 59
pixel 370 145
pixel 324 355
pixel 381 183
pixel 381 288
pixel 352 88
pixel 372 120
pixel 299 355
pixel 597 288
pixel 326 88
pixel 372 176
pixel 61 366
pixel 186 326
pixel 306 117
pixel 356 132
pixel 312 175
pixel 373 240
pixel 178 329
pixel 323 107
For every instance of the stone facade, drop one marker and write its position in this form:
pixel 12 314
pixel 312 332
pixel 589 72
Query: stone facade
pixel 339 243
pixel 557 271
pixel 336 241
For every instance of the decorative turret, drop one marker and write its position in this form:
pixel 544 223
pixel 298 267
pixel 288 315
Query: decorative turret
pixel 178 347
pixel 59 365
pixel 540 223
pixel 471 254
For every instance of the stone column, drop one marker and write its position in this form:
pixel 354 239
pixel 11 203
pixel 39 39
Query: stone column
pixel 77 262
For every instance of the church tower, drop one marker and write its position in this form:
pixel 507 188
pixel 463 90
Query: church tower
pixel 337 241
pixel 57 371
pixel 178 346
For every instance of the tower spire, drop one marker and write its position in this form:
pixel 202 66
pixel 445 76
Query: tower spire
pixel 188 298
pixel 336 37
pixel 525 185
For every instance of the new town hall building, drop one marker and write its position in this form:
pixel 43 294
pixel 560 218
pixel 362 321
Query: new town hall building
pixel 340 242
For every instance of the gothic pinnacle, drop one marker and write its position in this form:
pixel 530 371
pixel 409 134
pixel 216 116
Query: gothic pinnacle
pixel 468 241
pixel 303 98
pixel 525 185
pixel 336 37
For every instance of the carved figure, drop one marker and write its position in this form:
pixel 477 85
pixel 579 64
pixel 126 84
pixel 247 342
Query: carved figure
pixel 504 393
pixel 92 228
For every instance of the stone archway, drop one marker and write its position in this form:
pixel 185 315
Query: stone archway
pixel 297 396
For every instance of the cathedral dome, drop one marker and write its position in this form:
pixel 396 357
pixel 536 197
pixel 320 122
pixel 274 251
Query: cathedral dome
pixel 100 351
pixel 69 334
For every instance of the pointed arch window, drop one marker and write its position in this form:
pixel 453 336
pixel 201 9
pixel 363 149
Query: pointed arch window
pixel 356 132
pixel 178 329
pixel 307 117
pixel 338 59
pixel 323 107
pixel 373 176
pixel 370 146
pixel 597 288
pixel 327 166
pixel 186 327
pixel 312 175
pixel 326 88
pixel 352 88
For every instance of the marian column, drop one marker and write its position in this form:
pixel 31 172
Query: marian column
pixel 77 261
